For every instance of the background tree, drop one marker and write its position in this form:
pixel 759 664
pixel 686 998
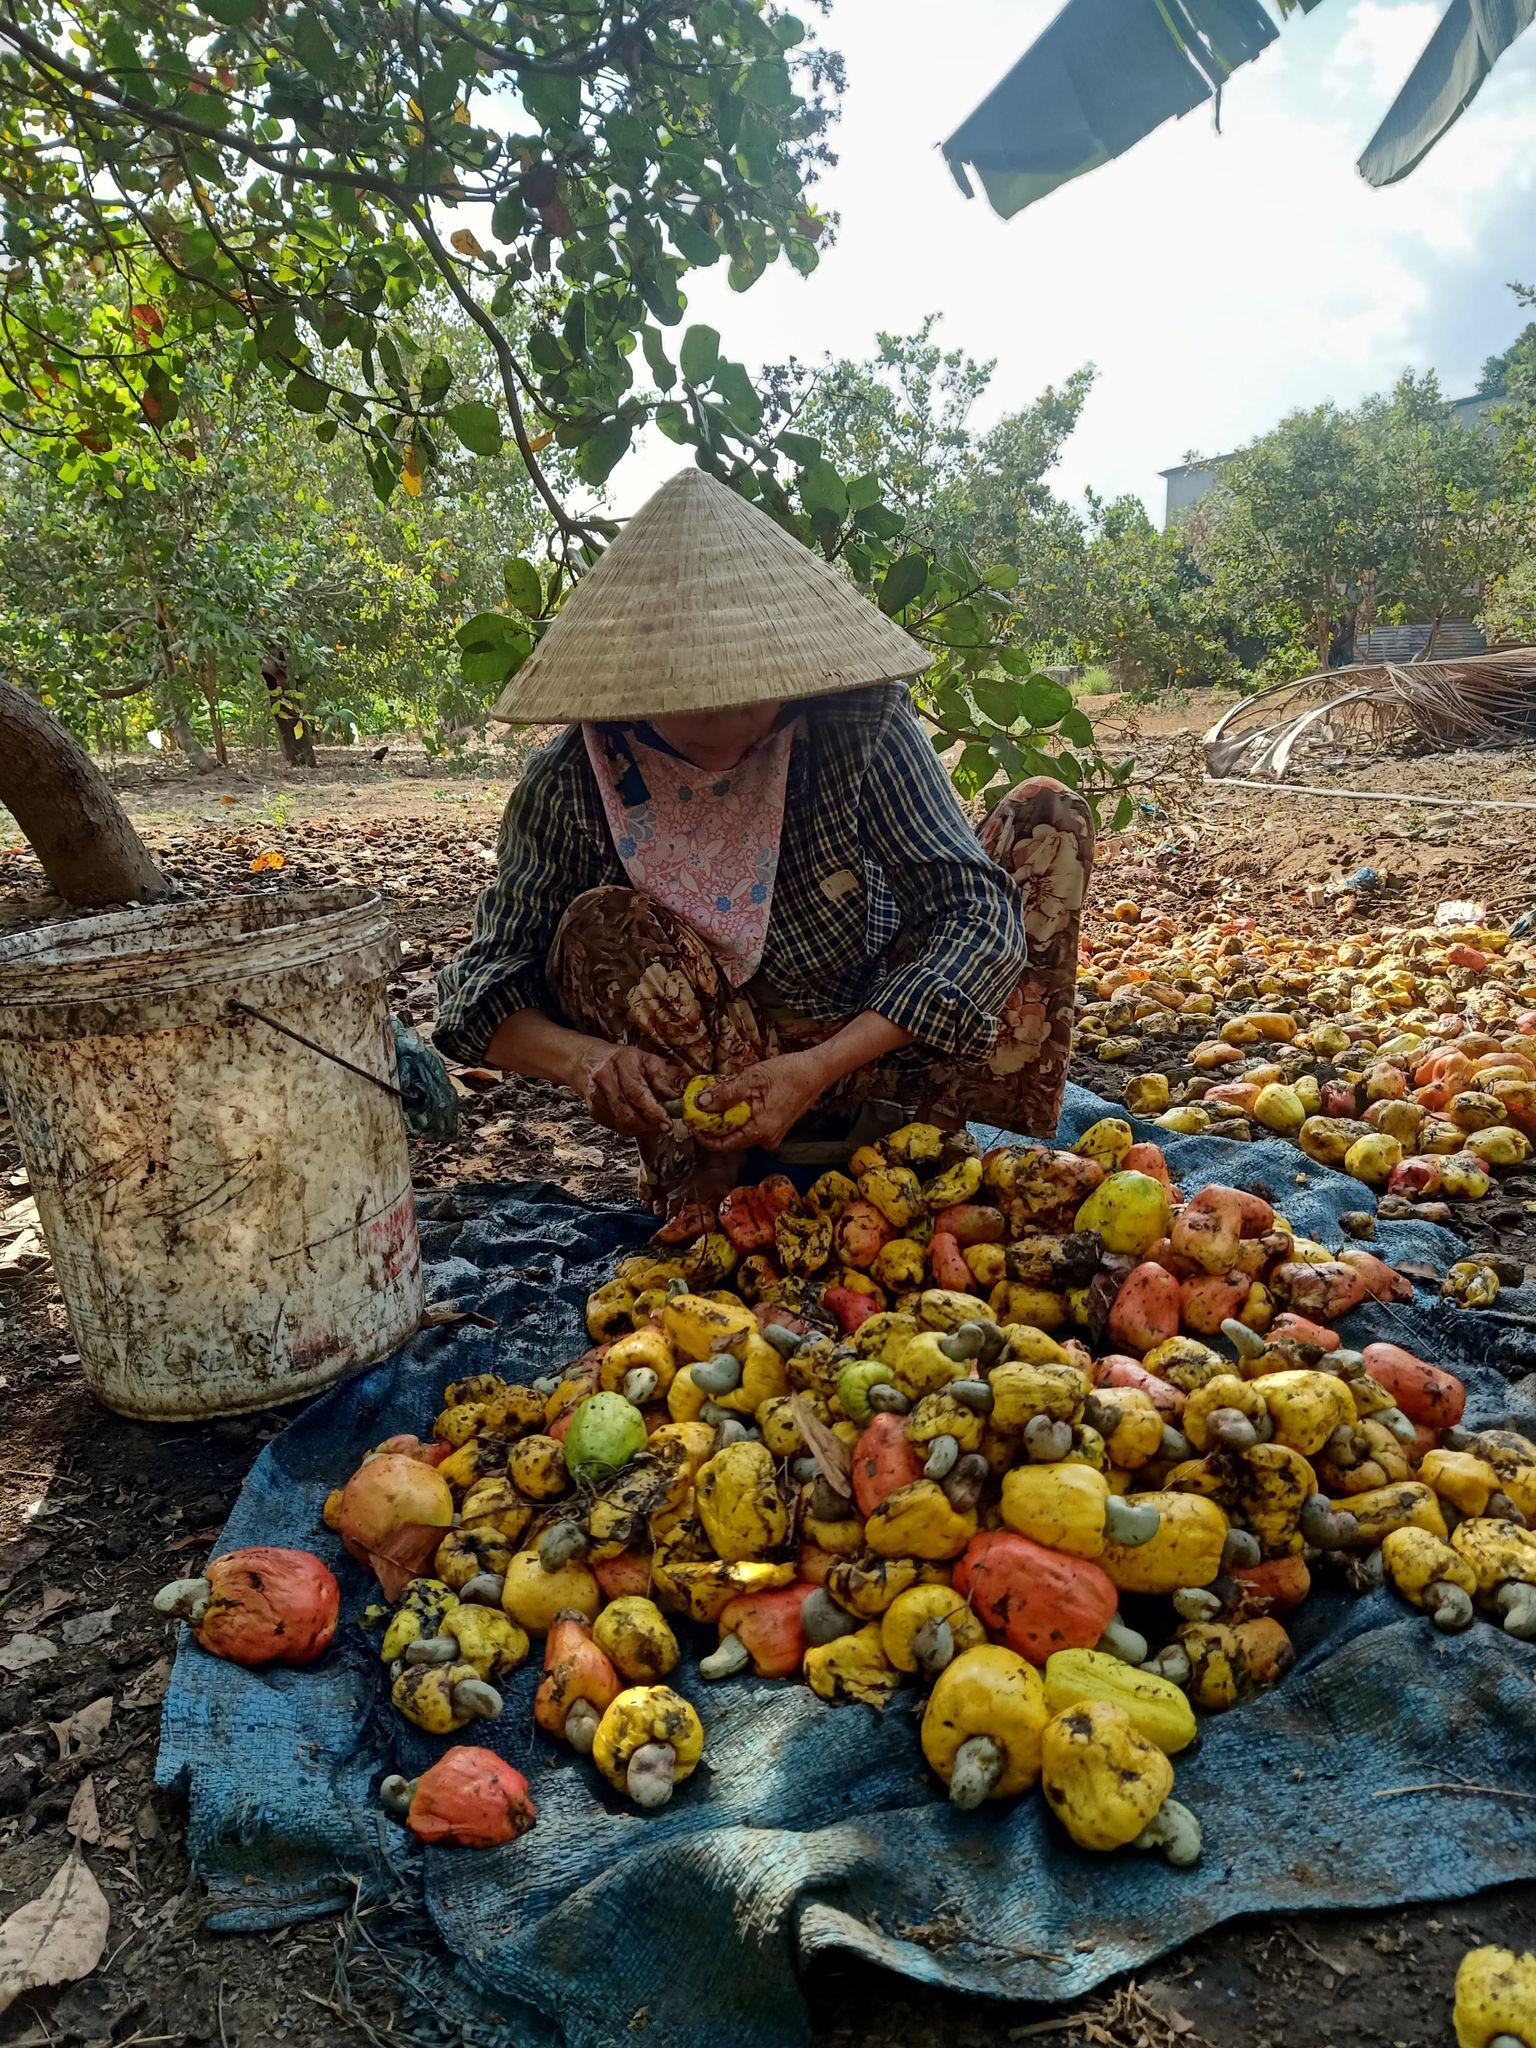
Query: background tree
pixel 305 175
pixel 241 570
pixel 1292 527
pixel 1440 520
pixel 1509 608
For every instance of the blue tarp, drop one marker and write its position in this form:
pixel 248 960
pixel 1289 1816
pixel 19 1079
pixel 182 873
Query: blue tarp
pixel 808 1829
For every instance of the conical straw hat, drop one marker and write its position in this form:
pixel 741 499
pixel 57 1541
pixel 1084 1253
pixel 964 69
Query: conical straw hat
pixel 704 604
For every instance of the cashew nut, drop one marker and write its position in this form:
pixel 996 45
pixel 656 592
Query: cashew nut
pixel 651 1775
pixel 978 1766
pixel 1174 1830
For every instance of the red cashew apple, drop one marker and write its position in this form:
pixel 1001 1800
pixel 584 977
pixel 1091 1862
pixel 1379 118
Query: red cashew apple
pixel 884 1458
pixel 1035 1600
pixel 259 1606
pixel 469 1799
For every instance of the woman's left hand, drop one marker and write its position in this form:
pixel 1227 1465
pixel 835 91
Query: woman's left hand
pixel 779 1092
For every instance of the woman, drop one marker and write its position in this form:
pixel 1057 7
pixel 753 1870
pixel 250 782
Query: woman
pixel 746 859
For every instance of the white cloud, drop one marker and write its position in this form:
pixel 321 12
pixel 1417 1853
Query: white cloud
pixel 1218 282
pixel 1378 48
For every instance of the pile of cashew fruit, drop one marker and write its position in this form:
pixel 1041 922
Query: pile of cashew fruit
pixel 1407 1059
pixel 1028 1432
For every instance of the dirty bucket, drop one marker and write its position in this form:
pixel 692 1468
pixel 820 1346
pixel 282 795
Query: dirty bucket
pixel 229 1209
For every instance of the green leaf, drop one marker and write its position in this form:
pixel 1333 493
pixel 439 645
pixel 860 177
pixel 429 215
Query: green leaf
pixel 1003 577
pixel 487 665
pixel 801 448
pixel 523 586
pixel 694 241
pixel 739 396
pixel 1077 727
pixel 699 356
pixel 553 98
pixel 962 625
pixel 1044 702
pixel 602 452
pixel 575 327
pixel 821 490
pixel 999 698
pixel 486 629
pixel 863 491
pixel 436 379
pixel 547 352
pixel 232 12
pixel 313 47
pixel 509 217
pixel 656 355
pixel 974 769
pixel 304 394
pixel 477 426
pixel 952 706
pixel 672 418
pixel 902 582
pixel 1015 664
pixel 788 30
pixel 883 521
pixel 767 83
pixel 1125 810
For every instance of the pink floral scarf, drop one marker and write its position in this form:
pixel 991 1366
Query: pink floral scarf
pixel 706 845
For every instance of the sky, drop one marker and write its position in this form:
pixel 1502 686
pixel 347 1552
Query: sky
pixel 1216 281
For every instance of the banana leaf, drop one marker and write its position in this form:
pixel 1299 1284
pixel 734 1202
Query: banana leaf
pixel 1100 77
pixel 1107 72
pixel 1443 84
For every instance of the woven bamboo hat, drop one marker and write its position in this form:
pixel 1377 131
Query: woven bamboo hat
pixel 704 604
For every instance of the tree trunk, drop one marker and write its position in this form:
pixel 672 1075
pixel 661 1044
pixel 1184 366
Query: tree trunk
pixel 67 811
pixel 298 745
pixel 176 722
pixel 1322 635
pixel 210 690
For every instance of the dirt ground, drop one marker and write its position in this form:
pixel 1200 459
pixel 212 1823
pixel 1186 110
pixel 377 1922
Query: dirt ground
pixel 95 1512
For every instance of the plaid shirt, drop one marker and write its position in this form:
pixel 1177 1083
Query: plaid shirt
pixel 884 900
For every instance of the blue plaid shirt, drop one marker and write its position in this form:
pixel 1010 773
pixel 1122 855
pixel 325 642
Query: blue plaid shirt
pixel 884 900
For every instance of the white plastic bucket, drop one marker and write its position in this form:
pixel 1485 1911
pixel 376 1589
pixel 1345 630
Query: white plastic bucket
pixel 229 1212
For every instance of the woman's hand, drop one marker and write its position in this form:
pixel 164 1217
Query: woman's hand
pixel 626 1089
pixel 779 1092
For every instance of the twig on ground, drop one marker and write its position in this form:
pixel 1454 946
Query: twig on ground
pixel 1452 1785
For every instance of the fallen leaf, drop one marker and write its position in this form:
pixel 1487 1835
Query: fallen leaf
pixel 23 1651
pixel 56 1938
pixel 81 1629
pixel 80 1732
pixel 51 1599
pixel 149 1688
pixel 18 1557
pixel 83 1820
pixel 147 1821
pixel 443 1315
pixel 829 1451
pixel 269 859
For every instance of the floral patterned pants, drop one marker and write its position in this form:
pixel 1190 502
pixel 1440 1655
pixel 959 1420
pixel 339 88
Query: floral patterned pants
pixel 628 970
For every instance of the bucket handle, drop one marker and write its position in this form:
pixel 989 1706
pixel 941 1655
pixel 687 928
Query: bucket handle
pixel 298 1038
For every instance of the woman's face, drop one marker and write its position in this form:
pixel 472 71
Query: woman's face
pixel 717 739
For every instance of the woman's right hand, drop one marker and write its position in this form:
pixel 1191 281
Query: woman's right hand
pixel 626 1089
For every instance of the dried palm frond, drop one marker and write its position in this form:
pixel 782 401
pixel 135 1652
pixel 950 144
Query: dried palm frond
pixel 1486 700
